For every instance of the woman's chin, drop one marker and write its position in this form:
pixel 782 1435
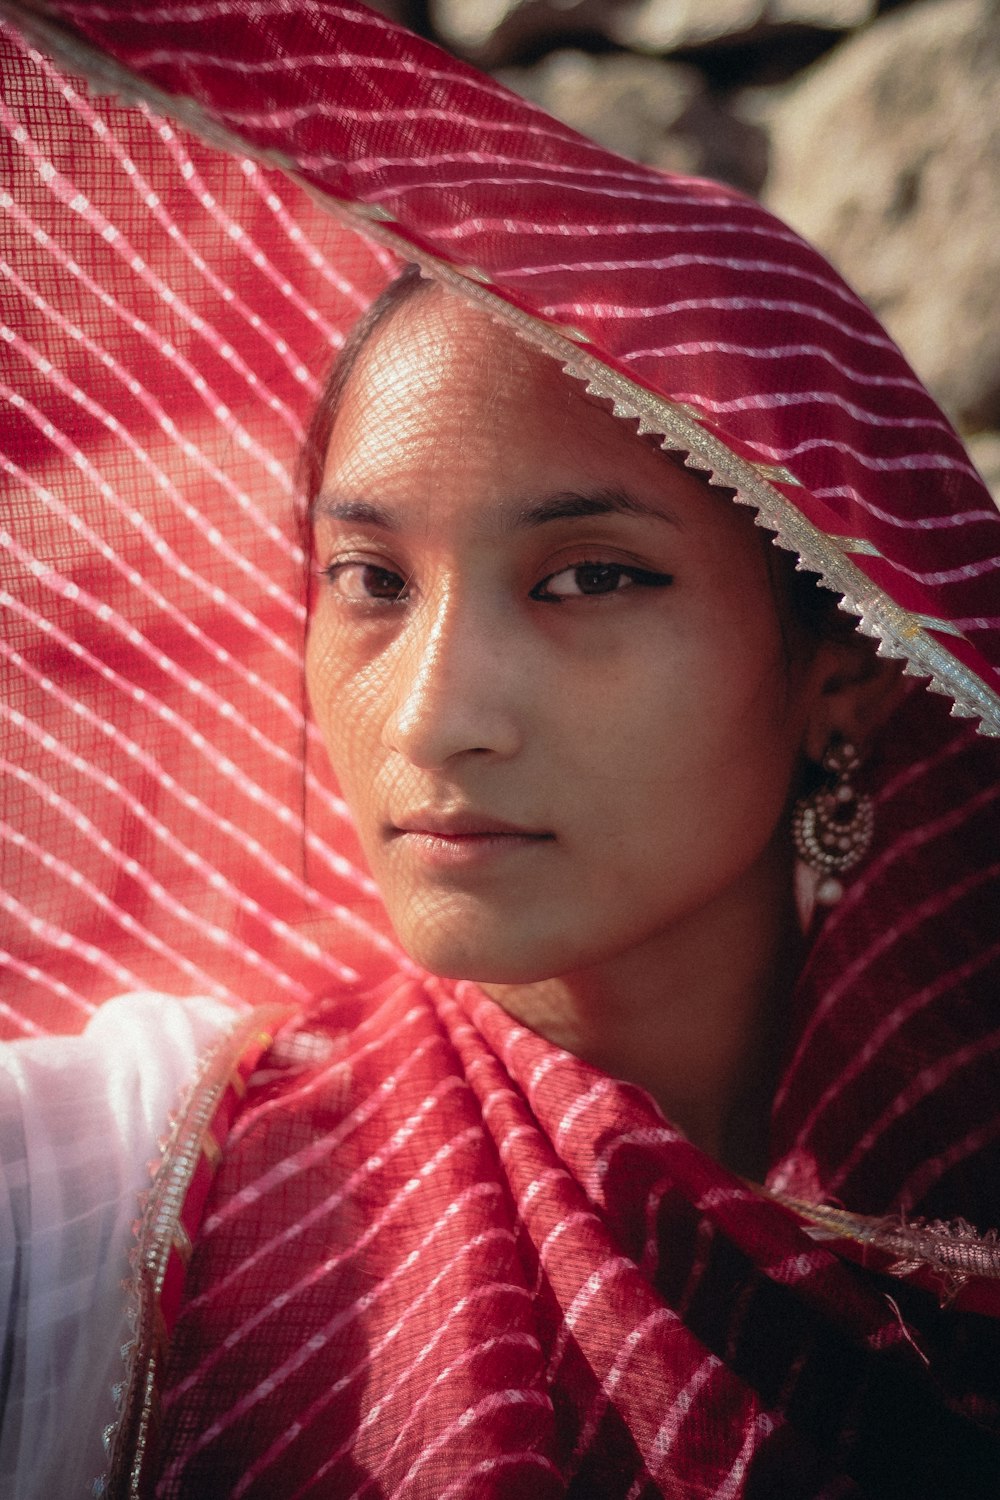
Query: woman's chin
pixel 484 958
pixel 480 968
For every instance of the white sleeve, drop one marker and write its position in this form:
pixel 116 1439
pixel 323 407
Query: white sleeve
pixel 80 1122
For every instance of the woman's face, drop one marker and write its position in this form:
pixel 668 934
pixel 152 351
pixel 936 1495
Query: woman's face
pixel 546 661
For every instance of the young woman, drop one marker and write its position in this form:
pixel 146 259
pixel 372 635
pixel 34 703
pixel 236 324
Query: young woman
pixel 569 699
pixel 662 1158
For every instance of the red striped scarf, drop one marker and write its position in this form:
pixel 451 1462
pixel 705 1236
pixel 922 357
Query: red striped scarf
pixel 168 822
pixel 452 1259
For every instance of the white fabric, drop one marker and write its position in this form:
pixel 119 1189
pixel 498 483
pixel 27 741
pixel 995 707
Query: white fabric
pixel 80 1122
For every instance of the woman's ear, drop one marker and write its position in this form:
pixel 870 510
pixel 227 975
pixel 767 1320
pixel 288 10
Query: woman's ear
pixel 855 693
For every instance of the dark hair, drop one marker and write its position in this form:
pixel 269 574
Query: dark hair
pixel 804 605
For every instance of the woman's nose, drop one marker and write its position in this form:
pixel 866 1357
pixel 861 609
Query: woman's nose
pixel 453 689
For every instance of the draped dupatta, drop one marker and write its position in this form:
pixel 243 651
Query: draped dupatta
pixel 187 241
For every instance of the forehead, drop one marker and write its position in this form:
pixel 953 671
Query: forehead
pixel 436 346
pixel 441 383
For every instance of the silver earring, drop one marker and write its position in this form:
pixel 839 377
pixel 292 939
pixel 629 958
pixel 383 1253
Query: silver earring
pixel 832 827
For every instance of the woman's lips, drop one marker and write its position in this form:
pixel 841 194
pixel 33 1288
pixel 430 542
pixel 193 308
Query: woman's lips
pixel 463 839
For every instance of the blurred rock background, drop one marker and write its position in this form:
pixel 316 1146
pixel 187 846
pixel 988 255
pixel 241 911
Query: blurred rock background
pixel 872 126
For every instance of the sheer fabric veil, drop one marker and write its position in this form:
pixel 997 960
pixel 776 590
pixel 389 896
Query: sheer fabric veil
pixel 189 235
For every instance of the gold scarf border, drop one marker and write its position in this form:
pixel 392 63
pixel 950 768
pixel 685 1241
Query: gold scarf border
pixel 171 1214
pixel 950 1260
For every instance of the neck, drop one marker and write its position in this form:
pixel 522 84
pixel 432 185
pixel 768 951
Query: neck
pixel 693 1014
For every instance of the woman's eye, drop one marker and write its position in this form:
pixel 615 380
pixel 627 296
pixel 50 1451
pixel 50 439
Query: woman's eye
pixel 585 580
pixel 364 583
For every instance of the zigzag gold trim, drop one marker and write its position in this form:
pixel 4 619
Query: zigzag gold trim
pixel 959 1260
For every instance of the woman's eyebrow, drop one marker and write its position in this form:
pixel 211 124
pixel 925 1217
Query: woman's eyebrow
pixel 332 508
pixel 569 506
pixel 566 506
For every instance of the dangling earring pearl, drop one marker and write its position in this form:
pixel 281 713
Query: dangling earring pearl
pixel 832 827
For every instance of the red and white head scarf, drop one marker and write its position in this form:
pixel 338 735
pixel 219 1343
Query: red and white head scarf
pixel 176 273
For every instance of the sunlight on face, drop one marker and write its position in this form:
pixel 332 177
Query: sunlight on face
pixel 546 661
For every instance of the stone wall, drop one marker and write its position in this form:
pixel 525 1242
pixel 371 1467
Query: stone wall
pixel 874 128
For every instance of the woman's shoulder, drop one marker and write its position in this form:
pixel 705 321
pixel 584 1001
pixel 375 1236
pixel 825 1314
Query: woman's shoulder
pixel 81 1116
pixel 81 1119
